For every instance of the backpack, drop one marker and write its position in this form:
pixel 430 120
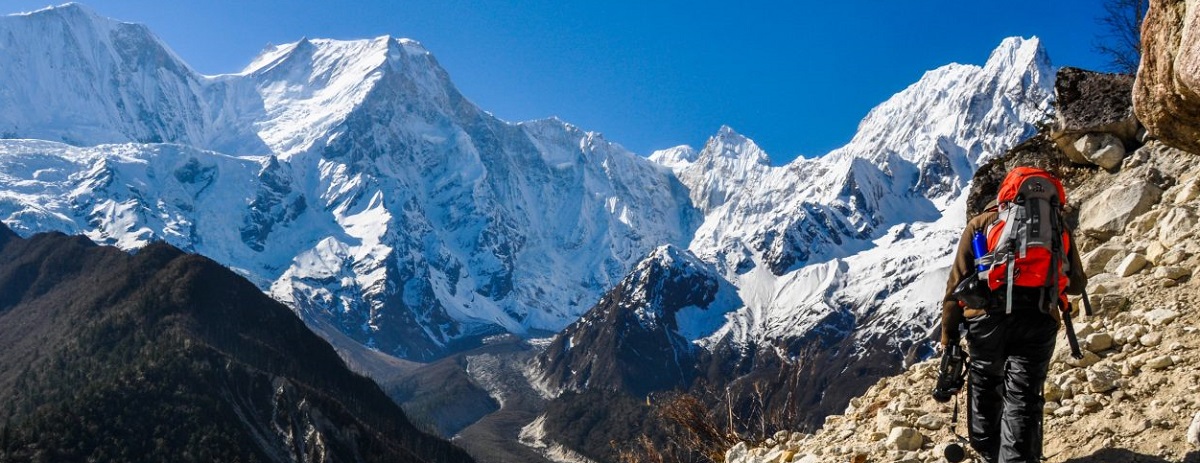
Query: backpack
pixel 1027 243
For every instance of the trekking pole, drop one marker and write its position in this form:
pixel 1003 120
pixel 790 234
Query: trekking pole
pixel 953 452
pixel 1071 339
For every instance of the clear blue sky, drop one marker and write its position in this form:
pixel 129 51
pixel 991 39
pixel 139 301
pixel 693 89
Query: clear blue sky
pixel 795 76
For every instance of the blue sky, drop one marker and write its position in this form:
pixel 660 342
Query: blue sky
pixel 795 76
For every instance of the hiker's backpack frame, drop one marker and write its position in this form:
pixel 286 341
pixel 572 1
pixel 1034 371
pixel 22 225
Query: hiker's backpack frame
pixel 1029 239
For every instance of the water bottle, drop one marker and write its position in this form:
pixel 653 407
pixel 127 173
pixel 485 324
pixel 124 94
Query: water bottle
pixel 979 245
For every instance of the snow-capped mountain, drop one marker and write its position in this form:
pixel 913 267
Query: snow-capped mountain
pixel 353 181
pixel 867 227
pixel 348 178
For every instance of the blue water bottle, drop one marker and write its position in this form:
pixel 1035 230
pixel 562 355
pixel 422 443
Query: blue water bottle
pixel 979 245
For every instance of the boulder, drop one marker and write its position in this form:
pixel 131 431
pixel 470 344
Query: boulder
pixel 1186 192
pixel 1166 94
pixel 885 422
pixel 1176 225
pixel 1089 358
pixel 1102 378
pixel 737 452
pixel 1099 342
pixel 1160 362
pixel 1171 272
pixel 1132 264
pixel 931 422
pixel 1087 403
pixel 1176 256
pixel 1102 149
pixel 1143 223
pixel 1088 104
pixel 905 438
pixel 1129 334
pixel 1155 252
pixel 1107 213
pixel 1160 317
pixel 1096 260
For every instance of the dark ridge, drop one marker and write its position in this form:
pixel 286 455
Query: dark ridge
pixel 167 356
pixel 6 235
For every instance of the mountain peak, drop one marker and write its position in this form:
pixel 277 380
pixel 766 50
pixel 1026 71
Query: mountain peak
pixel 730 144
pixel 675 158
pixel 69 8
pixel 1018 53
pixel 74 14
pixel 409 45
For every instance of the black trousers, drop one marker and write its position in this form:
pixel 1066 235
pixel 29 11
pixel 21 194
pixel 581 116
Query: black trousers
pixel 1010 356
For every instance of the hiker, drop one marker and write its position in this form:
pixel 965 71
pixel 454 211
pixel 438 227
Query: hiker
pixel 1011 337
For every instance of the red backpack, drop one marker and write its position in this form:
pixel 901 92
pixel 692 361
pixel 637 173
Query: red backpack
pixel 1027 244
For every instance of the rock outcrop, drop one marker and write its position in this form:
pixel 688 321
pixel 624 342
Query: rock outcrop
pixel 1094 122
pixel 1166 96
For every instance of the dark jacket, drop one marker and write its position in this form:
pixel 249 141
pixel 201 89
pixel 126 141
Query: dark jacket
pixel 953 313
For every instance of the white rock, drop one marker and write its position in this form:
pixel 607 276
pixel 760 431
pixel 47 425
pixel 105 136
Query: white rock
pixel 1151 339
pixel 1186 192
pixel 1099 342
pixel 1083 330
pixel 1086 403
pixel 1175 257
pixel 1089 358
pixel 1131 264
pixel 1193 432
pixel 885 422
pixel 1107 213
pixel 1102 378
pixel 1142 225
pixel 1160 317
pixel 1128 334
pixel 777 455
pixel 905 439
pixel 1160 362
pixel 1175 225
pixel 931 422
pixel 737 452
pixel 1096 260
pixel 1155 252
pixel 1109 157
pixel 1171 272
